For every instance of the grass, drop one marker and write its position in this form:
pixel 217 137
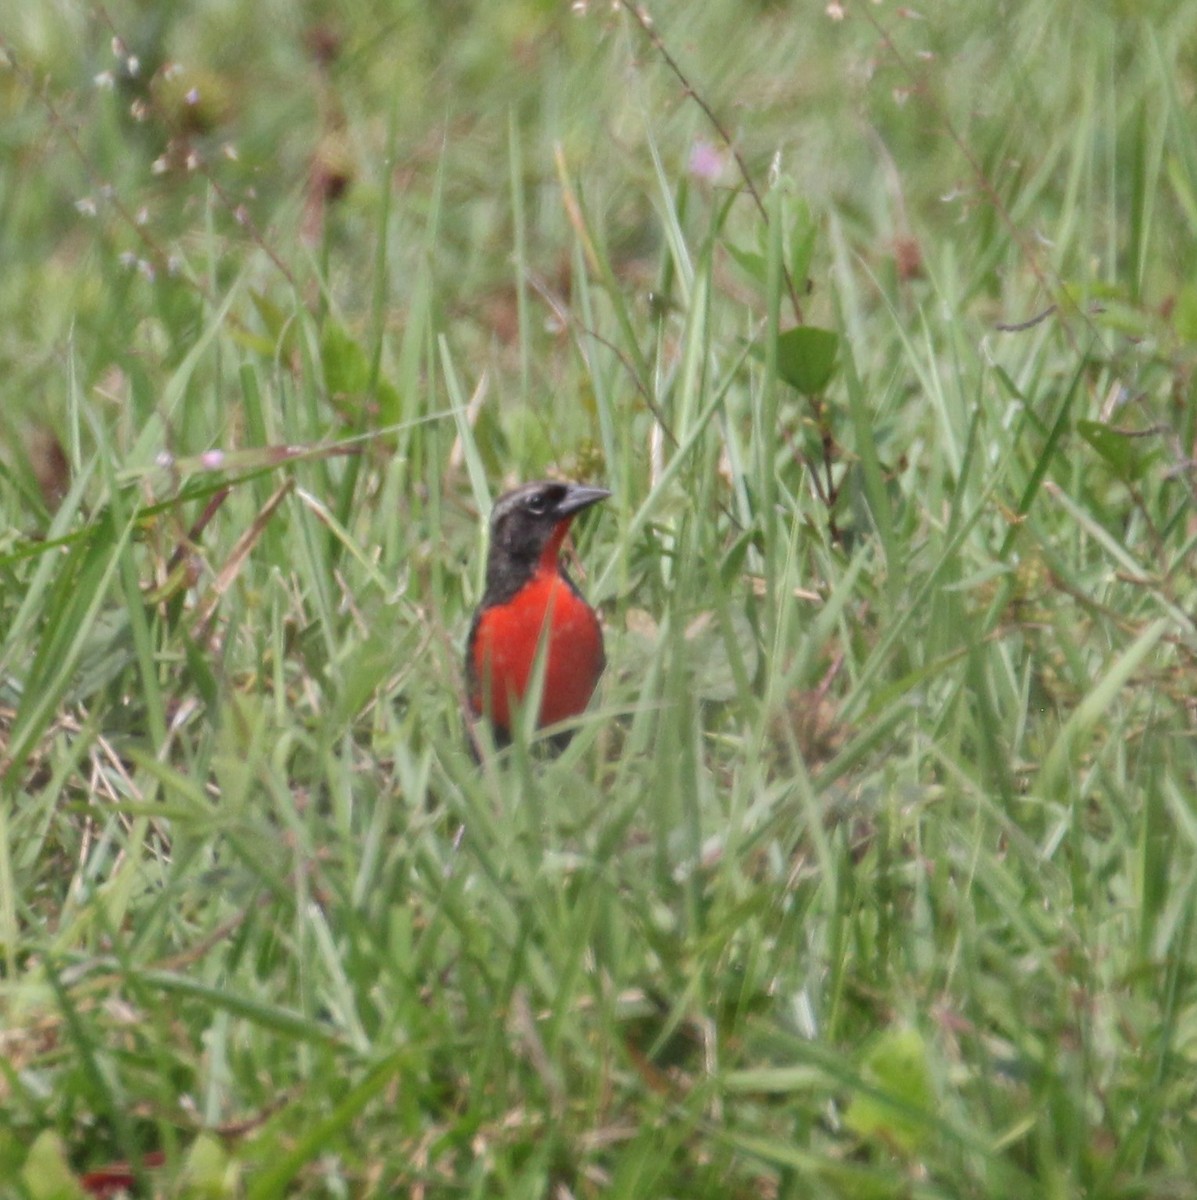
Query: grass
pixel 871 872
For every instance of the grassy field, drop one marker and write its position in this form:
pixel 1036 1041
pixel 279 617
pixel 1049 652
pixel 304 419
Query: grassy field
pixel 872 871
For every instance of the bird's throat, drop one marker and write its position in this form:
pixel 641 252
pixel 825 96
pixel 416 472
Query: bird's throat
pixel 552 548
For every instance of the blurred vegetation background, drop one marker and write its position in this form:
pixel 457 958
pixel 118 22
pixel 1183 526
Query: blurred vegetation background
pixel 873 872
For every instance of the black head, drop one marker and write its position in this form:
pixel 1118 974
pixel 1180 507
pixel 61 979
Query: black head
pixel 527 523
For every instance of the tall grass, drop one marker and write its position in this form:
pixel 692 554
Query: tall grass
pixel 870 872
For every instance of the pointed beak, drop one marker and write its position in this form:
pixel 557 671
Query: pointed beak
pixel 578 497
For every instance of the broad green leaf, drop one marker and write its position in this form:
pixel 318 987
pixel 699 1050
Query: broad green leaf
pixel 1121 451
pixel 895 1109
pixel 806 357
pixel 46 1175
pixel 346 368
pixel 208 1172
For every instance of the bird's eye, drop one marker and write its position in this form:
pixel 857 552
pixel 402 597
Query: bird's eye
pixel 538 503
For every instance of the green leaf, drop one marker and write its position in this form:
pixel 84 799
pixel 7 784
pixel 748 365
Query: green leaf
pixel 801 240
pixel 208 1172
pixel 279 325
pixel 895 1109
pixel 1120 450
pixel 806 357
pixel 46 1175
pixel 348 373
pixel 346 368
pixel 751 263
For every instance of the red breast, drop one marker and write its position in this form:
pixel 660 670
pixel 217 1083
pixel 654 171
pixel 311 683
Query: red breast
pixel 508 638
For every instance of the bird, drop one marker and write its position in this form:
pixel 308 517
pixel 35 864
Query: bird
pixel 530 601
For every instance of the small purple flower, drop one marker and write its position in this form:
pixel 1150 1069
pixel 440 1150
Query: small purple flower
pixel 706 162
